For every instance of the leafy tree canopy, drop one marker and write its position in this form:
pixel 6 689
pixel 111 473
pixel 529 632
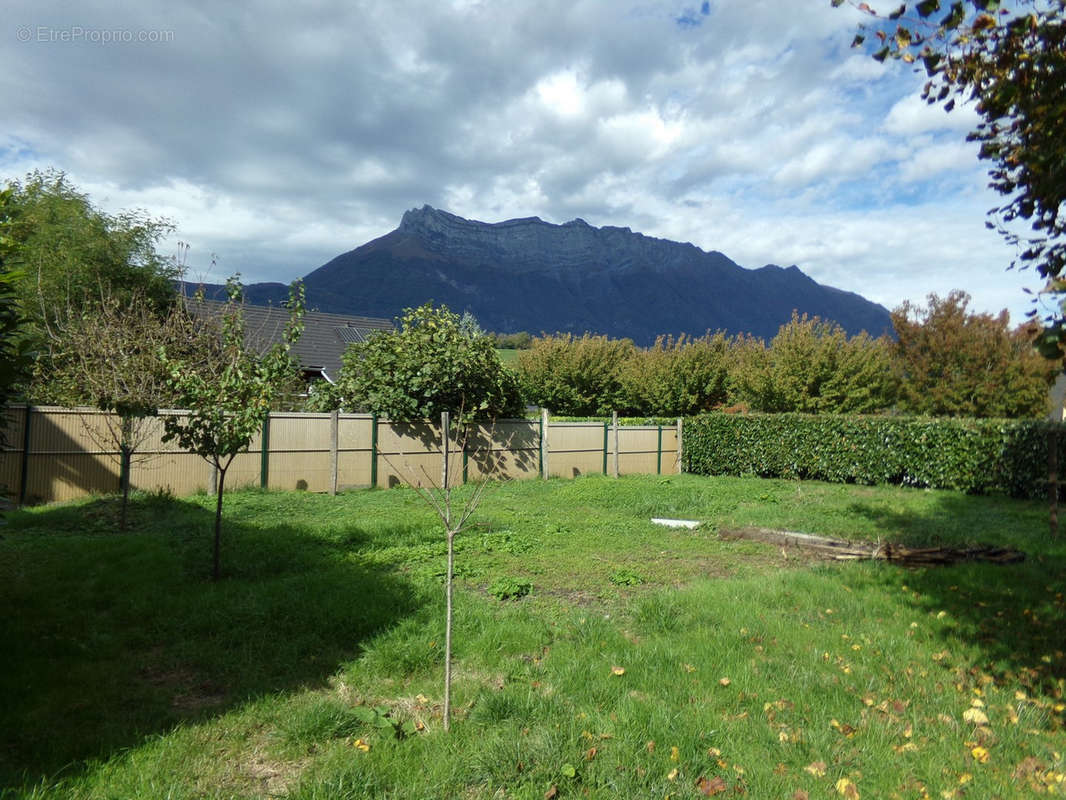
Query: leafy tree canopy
pixel 953 362
pixel 1011 60
pixel 811 366
pixel 433 363
pixel 14 346
pixel 67 252
pixel 576 375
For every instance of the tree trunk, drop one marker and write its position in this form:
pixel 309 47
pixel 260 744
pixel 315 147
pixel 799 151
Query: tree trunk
pixel 448 633
pixel 124 486
pixel 124 470
pixel 218 519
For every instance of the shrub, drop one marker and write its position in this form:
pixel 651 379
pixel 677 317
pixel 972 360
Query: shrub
pixel 435 362
pixel 969 455
pixel 812 366
pixel 678 377
pixel 578 376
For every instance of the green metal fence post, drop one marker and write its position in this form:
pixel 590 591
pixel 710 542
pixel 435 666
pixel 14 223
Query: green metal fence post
pixel 606 428
pixel 374 451
pixel 24 469
pixel 264 454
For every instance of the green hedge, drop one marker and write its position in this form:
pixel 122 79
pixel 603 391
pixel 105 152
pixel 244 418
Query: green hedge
pixel 970 455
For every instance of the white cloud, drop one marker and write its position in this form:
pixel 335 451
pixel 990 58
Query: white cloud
pixel 911 115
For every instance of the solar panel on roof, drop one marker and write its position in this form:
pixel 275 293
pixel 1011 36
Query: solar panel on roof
pixel 350 334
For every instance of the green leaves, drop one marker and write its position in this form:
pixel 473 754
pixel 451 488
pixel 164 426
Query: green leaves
pixel 433 363
pixel 963 454
pixel 229 395
pixel 927 7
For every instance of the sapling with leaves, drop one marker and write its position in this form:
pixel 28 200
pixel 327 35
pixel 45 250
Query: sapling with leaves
pixel 454 517
pixel 436 363
pixel 230 399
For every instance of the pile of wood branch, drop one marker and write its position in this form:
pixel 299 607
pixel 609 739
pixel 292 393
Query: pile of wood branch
pixel 842 550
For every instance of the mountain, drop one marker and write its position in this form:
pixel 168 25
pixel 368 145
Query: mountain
pixel 527 274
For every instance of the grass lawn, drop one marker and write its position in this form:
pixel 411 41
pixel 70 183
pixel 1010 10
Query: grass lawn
pixel 507 356
pixel 644 662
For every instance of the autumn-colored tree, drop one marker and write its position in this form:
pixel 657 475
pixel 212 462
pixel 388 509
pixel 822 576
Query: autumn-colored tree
pixel 812 366
pixel 678 377
pixel 575 375
pixel 954 362
pixel 1011 60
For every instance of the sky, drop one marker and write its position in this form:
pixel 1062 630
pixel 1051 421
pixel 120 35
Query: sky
pixel 277 135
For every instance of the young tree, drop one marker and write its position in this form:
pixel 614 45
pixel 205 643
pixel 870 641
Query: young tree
pixel 230 397
pixel 1011 60
pixel 454 517
pixel 433 363
pixel 954 362
pixel 436 366
pixel 107 356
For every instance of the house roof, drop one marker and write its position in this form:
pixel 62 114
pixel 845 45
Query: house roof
pixel 325 336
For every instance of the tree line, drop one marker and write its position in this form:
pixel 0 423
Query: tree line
pixel 945 360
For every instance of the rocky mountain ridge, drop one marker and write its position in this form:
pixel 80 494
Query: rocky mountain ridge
pixel 527 274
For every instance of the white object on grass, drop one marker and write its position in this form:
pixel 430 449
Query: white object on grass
pixel 677 523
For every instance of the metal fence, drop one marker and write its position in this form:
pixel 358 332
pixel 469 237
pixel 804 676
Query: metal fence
pixel 55 454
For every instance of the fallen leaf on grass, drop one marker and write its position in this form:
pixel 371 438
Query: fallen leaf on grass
pixel 844 728
pixel 672 775
pixel 975 716
pixel 847 789
pixel 552 793
pixel 816 768
pixel 675 754
pixel 359 744
pixel 980 755
pixel 712 786
pixel 800 794
pixel 618 670
pixel 724 681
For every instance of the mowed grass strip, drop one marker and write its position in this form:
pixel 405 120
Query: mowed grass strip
pixel 644 661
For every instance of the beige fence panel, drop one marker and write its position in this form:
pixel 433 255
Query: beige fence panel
pixel 299 452
pixel 509 448
pixel 408 452
pixel 355 459
pixel 575 448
